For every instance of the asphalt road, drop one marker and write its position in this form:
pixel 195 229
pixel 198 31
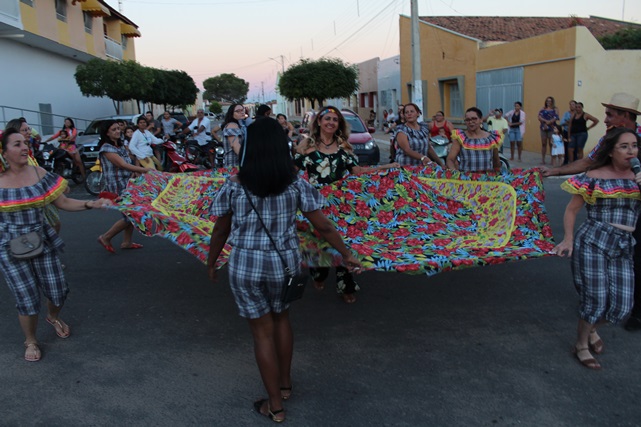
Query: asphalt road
pixel 154 343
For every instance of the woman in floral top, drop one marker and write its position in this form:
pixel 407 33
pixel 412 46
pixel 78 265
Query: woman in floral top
pixel 548 116
pixel 477 149
pixel 327 156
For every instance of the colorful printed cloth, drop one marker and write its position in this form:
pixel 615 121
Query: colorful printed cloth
pixel 414 220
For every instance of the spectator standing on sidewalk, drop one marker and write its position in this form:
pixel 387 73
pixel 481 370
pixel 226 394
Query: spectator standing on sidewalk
pixel 516 122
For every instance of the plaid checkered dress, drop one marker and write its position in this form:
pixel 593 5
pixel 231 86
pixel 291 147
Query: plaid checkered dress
pixel 419 141
pixel 476 153
pixel 21 211
pixel 602 257
pixel 256 273
pixel 115 178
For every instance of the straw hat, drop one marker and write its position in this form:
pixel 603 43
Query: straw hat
pixel 625 102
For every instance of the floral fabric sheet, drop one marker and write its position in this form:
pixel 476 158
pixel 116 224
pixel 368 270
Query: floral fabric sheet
pixel 411 220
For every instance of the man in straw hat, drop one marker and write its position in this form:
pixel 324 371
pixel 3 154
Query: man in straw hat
pixel 621 111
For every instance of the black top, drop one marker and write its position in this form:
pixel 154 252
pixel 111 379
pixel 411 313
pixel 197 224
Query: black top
pixel 578 125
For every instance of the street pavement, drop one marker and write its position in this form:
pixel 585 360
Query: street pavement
pixel 154 343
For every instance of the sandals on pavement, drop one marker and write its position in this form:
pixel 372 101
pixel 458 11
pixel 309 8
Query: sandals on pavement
pixel 62 329
pixel 272 415
pixel 107 246
pixel 286 392
pixel 589 361
pixel 32 352
pixel 597 345
pixel 132 246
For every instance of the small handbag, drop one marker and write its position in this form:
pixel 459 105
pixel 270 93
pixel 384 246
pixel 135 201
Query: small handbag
pixel 29 245
pixel 26 246
pixel 294 283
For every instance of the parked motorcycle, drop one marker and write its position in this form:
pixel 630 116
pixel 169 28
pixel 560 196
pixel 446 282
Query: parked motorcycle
pixel 199 155
pixel 58 161
pixel 94 183
pixel 173 156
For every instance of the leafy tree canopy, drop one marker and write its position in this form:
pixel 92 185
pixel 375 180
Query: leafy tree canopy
pixel 127 80
pixel 215 107
pixel 319 80
pixel 627 38
pixel 226 87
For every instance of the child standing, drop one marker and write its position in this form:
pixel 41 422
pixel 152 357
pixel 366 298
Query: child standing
pixel 558 151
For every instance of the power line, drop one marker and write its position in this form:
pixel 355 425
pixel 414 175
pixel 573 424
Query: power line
pixel 362 27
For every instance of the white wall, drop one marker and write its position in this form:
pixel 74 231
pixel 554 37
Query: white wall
pixel 389 85
pixel 33 76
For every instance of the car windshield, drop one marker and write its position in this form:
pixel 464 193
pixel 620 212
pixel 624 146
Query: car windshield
pixel 355 124
pixel 94 128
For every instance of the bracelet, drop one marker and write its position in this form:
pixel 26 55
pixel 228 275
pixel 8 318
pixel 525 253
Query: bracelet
pixel 424 157
pixel 87 206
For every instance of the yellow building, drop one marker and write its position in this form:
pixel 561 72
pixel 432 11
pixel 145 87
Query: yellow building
pixel 42 42
pixel 492 62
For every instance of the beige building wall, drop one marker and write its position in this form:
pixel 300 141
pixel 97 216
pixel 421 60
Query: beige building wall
pixel 601 74
pixel 444 56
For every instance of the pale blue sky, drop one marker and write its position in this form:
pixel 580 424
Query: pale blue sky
pixel 209 37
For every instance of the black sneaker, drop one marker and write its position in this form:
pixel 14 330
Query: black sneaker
pixel 633 324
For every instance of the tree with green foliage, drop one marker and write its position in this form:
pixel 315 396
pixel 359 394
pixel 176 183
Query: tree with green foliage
pixel 627 38
pixel 226 87
pixel 128 80
pixel 318 80
pixel 215 107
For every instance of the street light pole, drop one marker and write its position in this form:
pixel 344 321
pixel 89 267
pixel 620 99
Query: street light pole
pixel 417 83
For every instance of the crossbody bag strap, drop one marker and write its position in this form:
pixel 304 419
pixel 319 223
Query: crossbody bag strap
pixel 282 258
pixel 44 202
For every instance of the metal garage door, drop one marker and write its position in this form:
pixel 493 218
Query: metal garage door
pixel 499 89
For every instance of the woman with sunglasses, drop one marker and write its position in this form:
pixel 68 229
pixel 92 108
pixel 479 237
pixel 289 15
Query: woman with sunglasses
pixel 234 134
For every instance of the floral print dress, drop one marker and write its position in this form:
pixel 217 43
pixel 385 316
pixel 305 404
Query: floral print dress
pixel 324 168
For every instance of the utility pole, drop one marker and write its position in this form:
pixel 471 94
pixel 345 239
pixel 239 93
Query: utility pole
pixel 417 83
pixel 120 6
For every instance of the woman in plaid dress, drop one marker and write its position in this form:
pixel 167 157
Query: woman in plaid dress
pixel 602 249
pixel 477 149
pixel 256 272
pixel 117 168
pixel 24 192
pixel 413 140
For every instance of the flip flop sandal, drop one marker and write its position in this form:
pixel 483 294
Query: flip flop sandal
pixel 109 248
pixel 132 246
pixel 270 414
pixel 59 324
pixel 287 390
pixel 36 355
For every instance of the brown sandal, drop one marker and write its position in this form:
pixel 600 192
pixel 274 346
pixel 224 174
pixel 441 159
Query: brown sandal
pixel 596 346
pixel 588 362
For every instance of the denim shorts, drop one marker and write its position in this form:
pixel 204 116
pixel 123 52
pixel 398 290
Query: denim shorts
pixel 578 140
pixel 515 134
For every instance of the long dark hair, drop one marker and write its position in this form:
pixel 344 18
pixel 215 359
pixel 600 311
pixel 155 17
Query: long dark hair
pixel 229 116
pixel 266 165
pixel 104 138
pixel 607 146
pixel 73 126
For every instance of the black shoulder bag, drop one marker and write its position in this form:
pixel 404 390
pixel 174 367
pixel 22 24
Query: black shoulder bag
pixel 294 283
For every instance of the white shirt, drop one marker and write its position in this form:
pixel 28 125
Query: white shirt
pixel 140 144
pixel 201 137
